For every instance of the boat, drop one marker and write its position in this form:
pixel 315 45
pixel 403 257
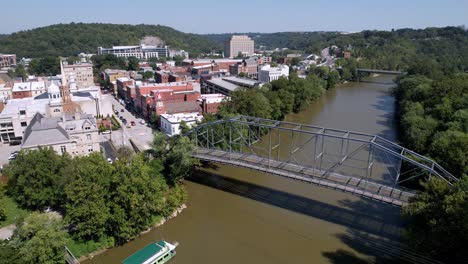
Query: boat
pixel 153 253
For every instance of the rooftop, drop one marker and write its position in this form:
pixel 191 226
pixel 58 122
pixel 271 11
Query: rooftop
pixel 182 107
pixel 179 117
pixel 153 250
pixel 222 83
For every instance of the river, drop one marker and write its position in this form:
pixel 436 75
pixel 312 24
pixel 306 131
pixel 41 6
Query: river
pixel 236 215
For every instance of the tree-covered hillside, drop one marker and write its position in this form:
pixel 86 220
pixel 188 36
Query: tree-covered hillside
pixel 71 39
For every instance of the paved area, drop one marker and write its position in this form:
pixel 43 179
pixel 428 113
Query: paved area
pixel 7 232
pixel 5 151
pixel 141 134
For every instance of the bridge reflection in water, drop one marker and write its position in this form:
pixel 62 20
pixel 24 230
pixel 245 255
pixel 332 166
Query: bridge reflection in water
pixel 358 163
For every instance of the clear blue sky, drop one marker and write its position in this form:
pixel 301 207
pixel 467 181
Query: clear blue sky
pixel 221 16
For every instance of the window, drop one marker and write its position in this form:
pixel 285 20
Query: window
pixel 63 149
pixel 23 124
pixel 90 149
pixel 88 136
pixel 87 128
pixel 56 110
pixel 22 112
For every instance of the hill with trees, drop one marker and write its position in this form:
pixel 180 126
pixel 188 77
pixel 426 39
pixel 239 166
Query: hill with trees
pixel 72 39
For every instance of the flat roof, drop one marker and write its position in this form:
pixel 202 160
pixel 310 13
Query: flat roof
pixel 145 253
pixel 242 81
pixel 222 83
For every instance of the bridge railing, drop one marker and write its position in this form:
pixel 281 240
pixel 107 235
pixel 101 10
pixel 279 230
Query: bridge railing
pixel 326 149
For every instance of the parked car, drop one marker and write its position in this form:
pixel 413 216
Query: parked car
pixel 142 122
pixel 132 123
pixel 122 110
pixel 109 160
pixel 13 156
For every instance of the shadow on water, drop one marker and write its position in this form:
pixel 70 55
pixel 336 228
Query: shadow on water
pixel 378 249
pixel 381 224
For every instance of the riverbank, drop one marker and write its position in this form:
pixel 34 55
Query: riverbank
pixel 159 223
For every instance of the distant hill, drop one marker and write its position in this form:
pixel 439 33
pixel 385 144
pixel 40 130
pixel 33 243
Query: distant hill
pixel 71 39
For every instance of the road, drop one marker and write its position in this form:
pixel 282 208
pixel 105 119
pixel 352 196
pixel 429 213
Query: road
pixel 328 59
pixel 141 134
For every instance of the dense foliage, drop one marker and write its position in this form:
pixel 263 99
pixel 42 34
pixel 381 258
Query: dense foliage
pixel 438 221
pixel 276 99
pixel 434 117
pixel 100 201
pixel 72 39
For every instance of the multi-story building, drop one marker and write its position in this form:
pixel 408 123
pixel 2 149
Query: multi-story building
pixel 247 66
pixel 7 60
pixel 141 51
pixel 226 85
pixel 211 102
pixel 239 45
pixel 18 113
pixel 82 73
pixel 170 123
pixel 76 135
pixel 268 73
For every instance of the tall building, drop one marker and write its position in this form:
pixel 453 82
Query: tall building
pixel 239 44
pixel 7 60
pixel 141 51
pixel 81 73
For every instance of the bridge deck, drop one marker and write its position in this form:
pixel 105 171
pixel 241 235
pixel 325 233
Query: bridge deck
pixel 357 186
pixel 379 71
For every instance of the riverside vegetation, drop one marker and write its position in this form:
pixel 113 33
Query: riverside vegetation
pixel 95 204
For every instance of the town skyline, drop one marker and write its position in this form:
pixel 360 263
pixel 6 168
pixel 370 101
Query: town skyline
pixel 295 16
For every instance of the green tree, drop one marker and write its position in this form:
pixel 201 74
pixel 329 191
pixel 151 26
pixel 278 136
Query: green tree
pixel 87 196
pixel 137 194
pixel 438 223
pixel 40 239
pixel 184 128
pixel 450 148
pixel 132 64
pixel 179 160
pixel 148 75
pixel 35 179
pixel 20 71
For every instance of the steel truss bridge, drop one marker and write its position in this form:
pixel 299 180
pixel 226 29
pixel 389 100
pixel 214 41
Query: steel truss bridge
pixel 358 163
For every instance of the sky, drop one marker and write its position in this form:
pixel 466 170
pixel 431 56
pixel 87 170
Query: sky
pixel 221 16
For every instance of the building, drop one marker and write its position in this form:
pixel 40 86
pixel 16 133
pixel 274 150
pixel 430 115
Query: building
pixel 268 73
pixel 247 66
pixel 141 51
pixel 18 113
pixel 28 89
pixel 82 73
pixel 211 102
pixel 239 45
pixel 76 135
pixel 7 60
pixel 225 85
pixel 181 53
pixel 170 123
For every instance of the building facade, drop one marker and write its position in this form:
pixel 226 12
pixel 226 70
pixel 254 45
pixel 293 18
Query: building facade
pixel 239 44
pixel 82 74
pixel 141 51
pixel 76 135
pixel 268 73
pixel 170 123
pixel 7 60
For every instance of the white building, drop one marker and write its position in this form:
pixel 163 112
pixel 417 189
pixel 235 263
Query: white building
pixel 36 88
pixel 268 73
pixel 76 135
pixel 141 51
pixel 170 123
pixel 239 44
pixel 18 113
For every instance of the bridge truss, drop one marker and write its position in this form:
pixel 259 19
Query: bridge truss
pixel 354 162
